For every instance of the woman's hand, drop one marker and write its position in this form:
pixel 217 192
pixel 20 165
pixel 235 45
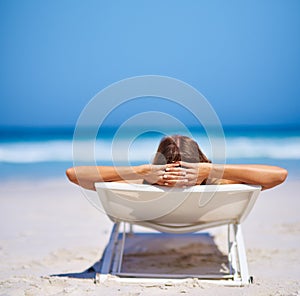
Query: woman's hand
pixel 179 174
pixel 165 175
pixel 196 173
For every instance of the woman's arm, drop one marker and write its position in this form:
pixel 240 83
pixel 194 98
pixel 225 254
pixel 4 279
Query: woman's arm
pixel 187 175
pixel 87 176
pixel 264 175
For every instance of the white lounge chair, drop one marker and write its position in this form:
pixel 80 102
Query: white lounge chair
pixel 175 210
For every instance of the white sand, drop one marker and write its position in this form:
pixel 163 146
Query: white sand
pixel 48 227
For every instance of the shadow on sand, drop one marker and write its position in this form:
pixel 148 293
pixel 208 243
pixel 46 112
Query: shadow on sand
pixel 161 253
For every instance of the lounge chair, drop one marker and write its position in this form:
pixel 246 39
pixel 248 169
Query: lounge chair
pixel 177 211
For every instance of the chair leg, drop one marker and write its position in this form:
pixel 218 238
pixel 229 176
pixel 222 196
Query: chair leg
pixel 113 258
pixel 237 254
pixel 232 253
pixel 130 229
pixel 110 250
pixel 241 253
pixel 122 248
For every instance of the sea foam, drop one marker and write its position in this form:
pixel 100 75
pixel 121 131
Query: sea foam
pixel 143 150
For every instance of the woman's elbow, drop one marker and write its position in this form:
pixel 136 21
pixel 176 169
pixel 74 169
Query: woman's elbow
pixel 71 174
pixel 280 177
pixel 283 173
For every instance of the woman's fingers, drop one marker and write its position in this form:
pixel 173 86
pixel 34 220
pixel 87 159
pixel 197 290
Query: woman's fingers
pixel 178 183
pixel 175 174
pixel 179 174
pixel 173 183
pixel 187 164
pixel 177 180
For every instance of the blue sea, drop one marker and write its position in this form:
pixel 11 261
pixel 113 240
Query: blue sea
pixel 35 153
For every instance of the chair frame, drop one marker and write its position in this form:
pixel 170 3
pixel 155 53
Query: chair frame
pixel 112 258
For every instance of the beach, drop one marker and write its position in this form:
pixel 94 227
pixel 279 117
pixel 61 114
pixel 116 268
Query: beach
pixel 51 234
pixel 100 83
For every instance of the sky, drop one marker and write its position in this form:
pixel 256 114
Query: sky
pixel 243 56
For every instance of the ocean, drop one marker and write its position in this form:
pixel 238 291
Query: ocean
pixel 35 153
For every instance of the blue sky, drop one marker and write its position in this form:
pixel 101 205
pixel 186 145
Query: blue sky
pixel 243 56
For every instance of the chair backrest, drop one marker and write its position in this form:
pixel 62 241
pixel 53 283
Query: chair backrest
pixel 175 209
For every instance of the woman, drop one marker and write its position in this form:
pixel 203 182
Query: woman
pixel 179 162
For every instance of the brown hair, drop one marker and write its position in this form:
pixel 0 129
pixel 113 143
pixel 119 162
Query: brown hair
pixel 178 148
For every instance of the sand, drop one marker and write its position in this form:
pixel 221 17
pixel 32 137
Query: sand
pixel 49 230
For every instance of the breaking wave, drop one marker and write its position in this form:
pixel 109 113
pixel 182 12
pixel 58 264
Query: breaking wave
pixel 61 150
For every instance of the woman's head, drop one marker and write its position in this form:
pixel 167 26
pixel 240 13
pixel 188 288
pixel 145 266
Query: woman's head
pixel 178 148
